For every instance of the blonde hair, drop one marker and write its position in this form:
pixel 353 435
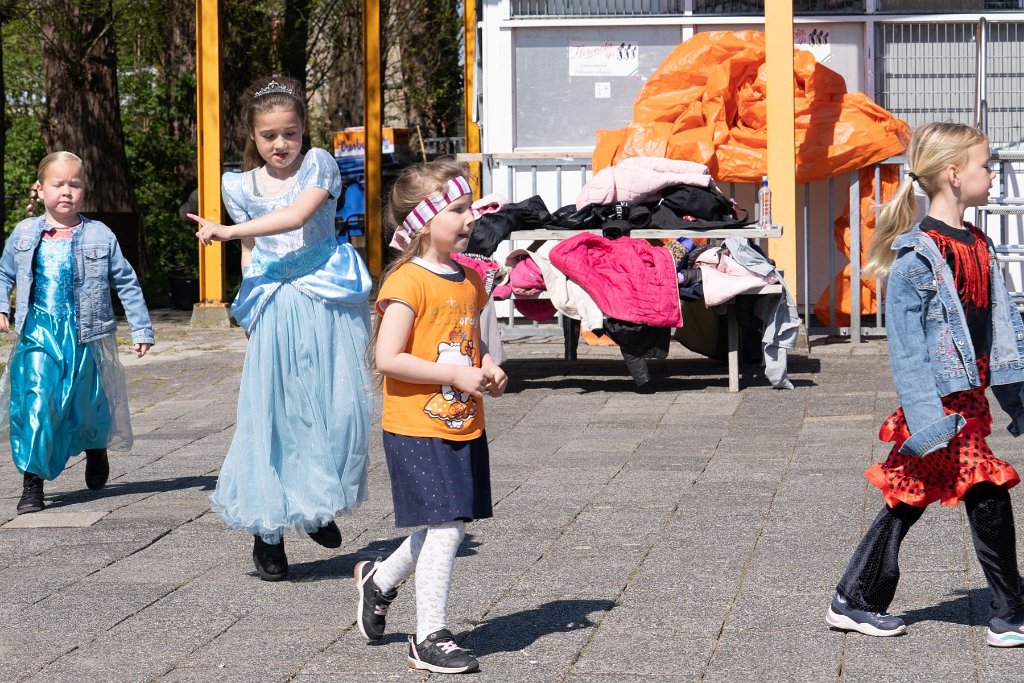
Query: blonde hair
pixel 412 186
pixel 933 148
pixel 286 93
pixel 49 160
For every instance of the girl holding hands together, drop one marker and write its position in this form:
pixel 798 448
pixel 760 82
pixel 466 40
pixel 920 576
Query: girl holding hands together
pixel 436 370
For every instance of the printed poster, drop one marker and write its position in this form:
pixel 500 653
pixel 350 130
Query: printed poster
pixel 608 59
pixel 814 39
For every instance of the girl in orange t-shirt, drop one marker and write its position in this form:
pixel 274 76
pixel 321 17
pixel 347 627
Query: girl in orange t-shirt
pixel 427 346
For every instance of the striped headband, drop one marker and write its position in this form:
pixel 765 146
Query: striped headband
pixel 435 203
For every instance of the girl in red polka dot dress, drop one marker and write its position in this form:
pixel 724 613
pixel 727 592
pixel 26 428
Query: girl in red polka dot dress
pixel 952 331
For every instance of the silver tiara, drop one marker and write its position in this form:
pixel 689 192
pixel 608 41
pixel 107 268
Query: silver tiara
pixel 274 86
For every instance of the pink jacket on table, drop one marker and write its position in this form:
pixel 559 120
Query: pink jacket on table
pixel 627 278
pixel 639 178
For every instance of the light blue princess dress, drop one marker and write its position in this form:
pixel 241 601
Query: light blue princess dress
pixel 65 397
pixel 299 453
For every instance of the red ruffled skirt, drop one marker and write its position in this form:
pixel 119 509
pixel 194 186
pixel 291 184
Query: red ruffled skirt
pixel 946 474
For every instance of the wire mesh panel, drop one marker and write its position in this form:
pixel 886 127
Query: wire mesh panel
pixel 1005 79
pixel 595 8
pixel 948 6
pixel 799 6
pixel 925 72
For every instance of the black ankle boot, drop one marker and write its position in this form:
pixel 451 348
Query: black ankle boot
pixel 329 535
pixel 31 495
pixel 270 560
pixel 97 468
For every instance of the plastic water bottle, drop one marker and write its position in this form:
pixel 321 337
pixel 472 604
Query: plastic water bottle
pixel 764 203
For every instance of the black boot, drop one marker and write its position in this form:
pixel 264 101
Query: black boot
pixel 329 535
pixel 31 495
pixel 97 468
pixel 270 560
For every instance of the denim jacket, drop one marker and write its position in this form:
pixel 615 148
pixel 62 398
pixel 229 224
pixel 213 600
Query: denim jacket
pixel 98 266
pixel 930 346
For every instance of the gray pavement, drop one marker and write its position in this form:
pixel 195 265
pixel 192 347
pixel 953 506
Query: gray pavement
pixel 688 535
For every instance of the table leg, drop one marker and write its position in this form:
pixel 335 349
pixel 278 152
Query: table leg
pixel 571 336
pixel 734 351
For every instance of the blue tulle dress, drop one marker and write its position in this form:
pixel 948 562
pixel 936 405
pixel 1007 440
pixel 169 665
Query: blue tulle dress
pixel 58 407
pixel 299 453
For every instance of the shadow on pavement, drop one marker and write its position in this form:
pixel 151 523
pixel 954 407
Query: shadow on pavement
pixel 202 483
pixel 968 607
pixel 514 632
pixel 669 376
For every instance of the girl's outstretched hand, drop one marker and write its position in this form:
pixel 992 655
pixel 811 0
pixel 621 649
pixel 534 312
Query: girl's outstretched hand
pixel 5 325
pixel 140 349
pixel 211 231
pixel 470 380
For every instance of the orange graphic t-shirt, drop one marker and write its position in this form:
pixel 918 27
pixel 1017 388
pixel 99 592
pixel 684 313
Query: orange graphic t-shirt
pixel 446 330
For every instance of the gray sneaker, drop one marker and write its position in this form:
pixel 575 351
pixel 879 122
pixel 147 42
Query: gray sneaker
pixel 845 618
pixel 441 654
pixel 1002 633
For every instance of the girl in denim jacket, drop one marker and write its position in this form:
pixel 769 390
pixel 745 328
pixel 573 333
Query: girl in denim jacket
pixel 952 332
pixel 67 388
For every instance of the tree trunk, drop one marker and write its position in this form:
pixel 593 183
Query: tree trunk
pixel 83 106
pixel 292 43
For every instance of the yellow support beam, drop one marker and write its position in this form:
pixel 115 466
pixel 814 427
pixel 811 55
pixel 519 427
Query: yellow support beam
pixel 469 90
pixel 372 102
pixel 211 258
pixel 778 30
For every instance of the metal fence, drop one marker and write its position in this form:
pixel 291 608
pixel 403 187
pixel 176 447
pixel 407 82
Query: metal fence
pixel 628 8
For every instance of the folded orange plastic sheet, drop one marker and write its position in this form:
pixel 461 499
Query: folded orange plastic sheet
pixel 706 103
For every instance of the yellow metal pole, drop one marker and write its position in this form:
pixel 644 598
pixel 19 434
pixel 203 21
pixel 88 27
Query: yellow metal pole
pixel 211 258
pixel 372 128
pixel 778 29
pixel 469 89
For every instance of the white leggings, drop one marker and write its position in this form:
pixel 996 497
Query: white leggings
pixel 430 554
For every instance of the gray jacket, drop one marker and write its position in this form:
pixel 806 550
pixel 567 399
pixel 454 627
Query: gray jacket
pixel 99 266
pixel 779 314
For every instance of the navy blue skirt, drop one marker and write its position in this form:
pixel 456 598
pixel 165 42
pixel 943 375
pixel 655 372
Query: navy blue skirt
pixel 436 480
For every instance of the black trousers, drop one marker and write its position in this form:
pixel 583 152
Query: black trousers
pixel 870 580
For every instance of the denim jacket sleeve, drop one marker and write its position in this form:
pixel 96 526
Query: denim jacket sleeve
pixel 126 284
pixel 930 428
pixel 8 273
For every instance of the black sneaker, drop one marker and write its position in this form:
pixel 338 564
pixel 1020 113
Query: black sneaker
pixel 845 618
pixel 441 654
pixel 31 495
pixel 270 560
pixel 1003 633
pixel 372 609
pixel 97 468
pixel 329 535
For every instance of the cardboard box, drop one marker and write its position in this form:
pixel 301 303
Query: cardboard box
pixel 351 142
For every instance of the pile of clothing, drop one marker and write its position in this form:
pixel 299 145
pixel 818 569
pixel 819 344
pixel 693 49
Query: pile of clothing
pixel 629 288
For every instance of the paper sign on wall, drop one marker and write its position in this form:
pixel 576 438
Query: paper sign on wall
pixel 814 39
pixel 609 59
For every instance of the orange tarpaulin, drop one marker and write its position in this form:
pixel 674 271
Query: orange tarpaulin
pixel 890 178
pixel 706 103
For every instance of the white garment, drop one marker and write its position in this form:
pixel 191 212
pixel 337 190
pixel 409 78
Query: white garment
pixel 568 297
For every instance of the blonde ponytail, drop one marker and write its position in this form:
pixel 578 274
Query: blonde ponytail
pixel 893 219
pixel 933 148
